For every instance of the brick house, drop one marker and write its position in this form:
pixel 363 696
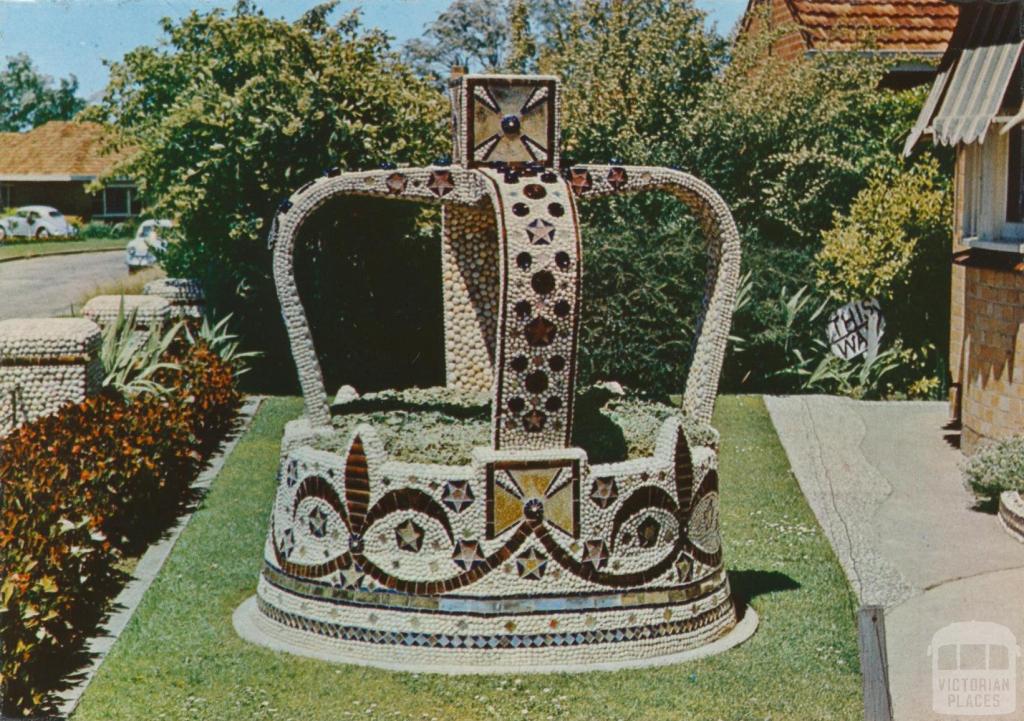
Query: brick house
pixel 915 31
pixel 54 163
pixel 975 105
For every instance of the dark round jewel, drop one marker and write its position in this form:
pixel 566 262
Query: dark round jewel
pixel 562 308
pixel 516 405
pixel 614 161
pixel 524 260
pixel 533 509
pixel 355 543
pixel 333 172
pixel 284 206
pixel 521 209
pixel 387 165
pixel 523 309
pixel 556 209
pixel 562 260
pixel 519 363
pixel 511 177
pixel 549 177
pixel 543 282
pixel 537 382
pixel 534 191
pixel 553 403
pixel 556 363
pixel 443 160
pixel 510 124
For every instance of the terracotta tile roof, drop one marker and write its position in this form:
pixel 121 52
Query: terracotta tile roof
pixel 919 26
pixel 57 148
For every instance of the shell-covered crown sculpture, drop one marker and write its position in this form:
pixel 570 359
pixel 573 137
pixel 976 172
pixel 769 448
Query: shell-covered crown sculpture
pixel 529 557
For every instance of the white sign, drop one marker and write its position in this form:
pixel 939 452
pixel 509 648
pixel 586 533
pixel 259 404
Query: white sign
pixel 974 669
pixel 855 328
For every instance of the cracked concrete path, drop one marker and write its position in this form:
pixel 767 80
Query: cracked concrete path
pixel 47 286
pixel 884 481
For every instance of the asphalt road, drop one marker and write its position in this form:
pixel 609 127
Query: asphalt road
pixel 44 287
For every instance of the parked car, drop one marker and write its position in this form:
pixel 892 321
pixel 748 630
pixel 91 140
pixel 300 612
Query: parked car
pixel 148 243
pixel 36 221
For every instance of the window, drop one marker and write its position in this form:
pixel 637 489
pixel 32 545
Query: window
pixel 991 187
pixel 1014 186
pixel 115 201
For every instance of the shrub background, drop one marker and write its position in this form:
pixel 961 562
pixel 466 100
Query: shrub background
pixel 231 112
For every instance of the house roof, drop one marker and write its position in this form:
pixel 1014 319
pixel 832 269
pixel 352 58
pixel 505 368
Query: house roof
pixel 899 26
pixel 57 150
pixel 974 76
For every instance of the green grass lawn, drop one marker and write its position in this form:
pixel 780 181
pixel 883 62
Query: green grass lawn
pixel 11 250
pixel 179 658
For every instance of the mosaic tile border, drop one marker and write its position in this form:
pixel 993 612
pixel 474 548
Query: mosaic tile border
pixel 724 611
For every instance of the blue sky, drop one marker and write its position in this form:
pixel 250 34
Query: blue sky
pixel 75 36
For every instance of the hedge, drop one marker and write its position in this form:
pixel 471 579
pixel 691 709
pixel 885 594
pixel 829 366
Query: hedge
pixel 83 489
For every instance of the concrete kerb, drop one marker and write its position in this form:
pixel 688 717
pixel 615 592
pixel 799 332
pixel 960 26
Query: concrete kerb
pixel 146 572
pixel 33 256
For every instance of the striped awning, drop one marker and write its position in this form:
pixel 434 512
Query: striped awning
pixel 973 76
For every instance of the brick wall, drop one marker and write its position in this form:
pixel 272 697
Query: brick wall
pixel 987 345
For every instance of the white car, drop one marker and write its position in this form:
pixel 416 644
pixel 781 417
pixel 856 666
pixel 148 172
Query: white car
pixel 36 221
pixel 148 242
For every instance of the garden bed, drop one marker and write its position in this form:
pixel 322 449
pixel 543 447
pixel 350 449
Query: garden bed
pixel 443 426
pixel 179 658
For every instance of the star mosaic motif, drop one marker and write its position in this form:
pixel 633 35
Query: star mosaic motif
pixel 409 536
pixel 467 555
pixel 534 421
pixel 531 565
pixel 603 492
pixel 318 522
pixel 596 554
pixel 617 178
pixel 440 183
pixel 580 180
pixel 540 332
pixel 287 544
pixel 541 232
pixel 396 183
pixel 457 495
pixel 682 568
pixel 350 576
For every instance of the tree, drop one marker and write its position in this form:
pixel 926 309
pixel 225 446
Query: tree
pixel 471 34
pixel 28 98
pixel 490 36
pixel 229 113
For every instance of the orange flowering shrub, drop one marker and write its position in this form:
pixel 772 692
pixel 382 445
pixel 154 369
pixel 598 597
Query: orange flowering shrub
pixel 79 489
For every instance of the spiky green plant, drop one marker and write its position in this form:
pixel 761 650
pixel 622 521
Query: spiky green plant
pixel 223 342
pixel 132 357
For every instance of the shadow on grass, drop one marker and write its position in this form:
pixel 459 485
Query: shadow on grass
pixel 748 585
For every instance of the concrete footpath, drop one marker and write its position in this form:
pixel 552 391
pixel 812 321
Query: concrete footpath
pixel 883 479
